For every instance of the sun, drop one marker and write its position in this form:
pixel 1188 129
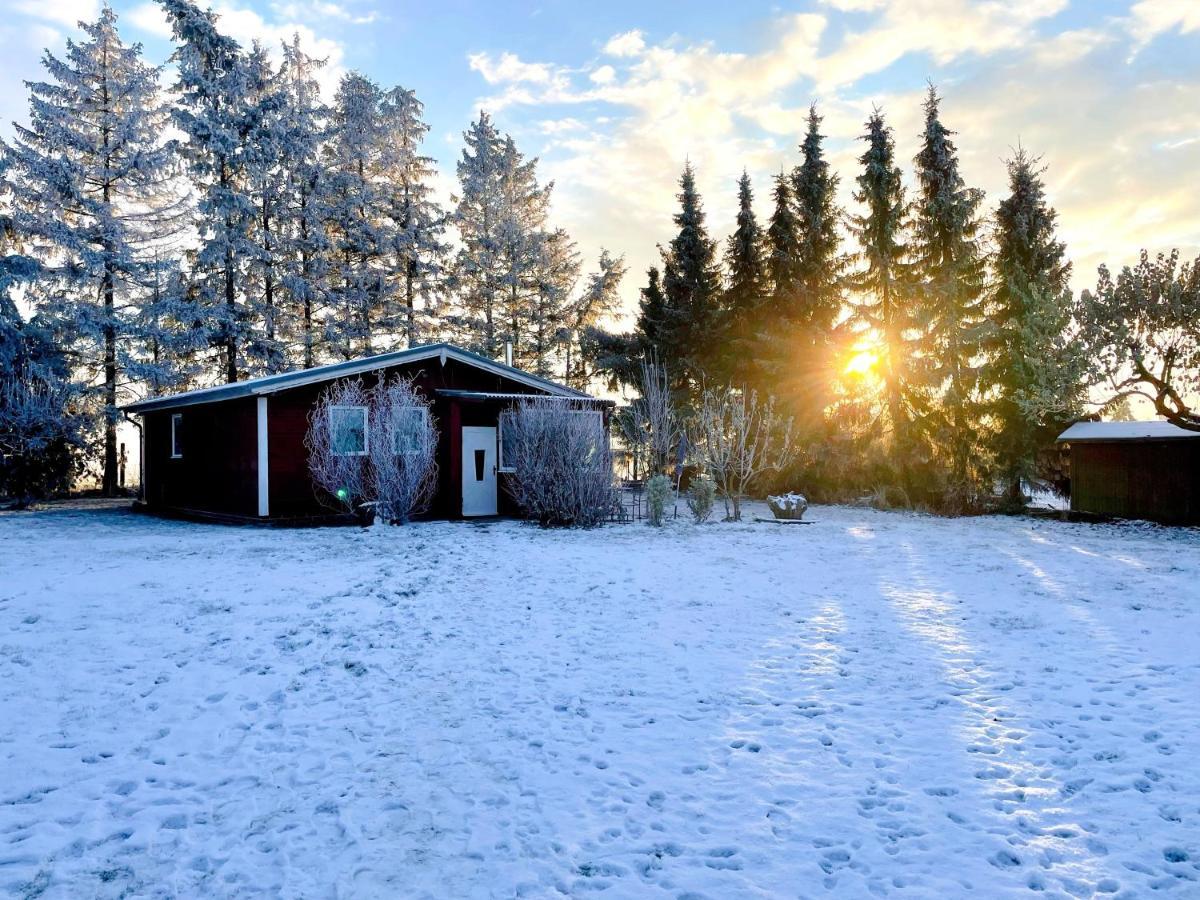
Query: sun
pixel 862 363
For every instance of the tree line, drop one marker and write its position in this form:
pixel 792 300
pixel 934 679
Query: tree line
pixel 979 354
pixel 238 225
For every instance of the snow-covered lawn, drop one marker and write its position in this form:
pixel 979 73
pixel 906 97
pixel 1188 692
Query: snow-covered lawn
pixel 876 703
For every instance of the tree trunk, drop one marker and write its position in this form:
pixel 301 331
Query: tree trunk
pixel 409 299
pixel 231 372
pixel 109 482
pixel 110 384
pixel 305 268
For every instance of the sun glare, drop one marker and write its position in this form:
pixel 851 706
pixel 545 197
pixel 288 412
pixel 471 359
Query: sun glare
pixel 862 363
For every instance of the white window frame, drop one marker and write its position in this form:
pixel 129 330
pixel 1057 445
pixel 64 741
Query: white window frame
pixel 176 437
pixel 424 416
pixel 504 413
pixel 366 420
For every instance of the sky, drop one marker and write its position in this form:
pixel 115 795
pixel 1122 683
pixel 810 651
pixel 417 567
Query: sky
pixel 615 97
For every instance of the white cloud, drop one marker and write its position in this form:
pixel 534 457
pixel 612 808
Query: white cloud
pixel 629 43
pixel 319 10
pixel 150 18
pixel 509 69
pixel 64 12
pixel 603 75
pixel 1150 18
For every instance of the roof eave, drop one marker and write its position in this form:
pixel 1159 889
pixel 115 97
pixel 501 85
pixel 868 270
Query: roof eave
pixel 348 369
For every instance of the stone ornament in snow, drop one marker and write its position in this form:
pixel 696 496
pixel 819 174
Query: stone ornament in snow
pixel 788 506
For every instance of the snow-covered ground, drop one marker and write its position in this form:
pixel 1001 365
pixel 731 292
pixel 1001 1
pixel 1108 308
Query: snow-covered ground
pixel 876 703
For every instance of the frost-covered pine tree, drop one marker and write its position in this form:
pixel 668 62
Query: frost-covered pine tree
pixel 477 216
pixel 303 241
pixel 549 311
pixel 691 285
pixel 595 302
pixel 883 284
pixel 1034 373
pixel 92 192
pixel 266 180
pixel 513 273
pixel 169 337
pixel 214 112
pixel 538 267
pixel 746 290
pixel 43 429
pixel 357 321
pixel 418 222
pixel 949 265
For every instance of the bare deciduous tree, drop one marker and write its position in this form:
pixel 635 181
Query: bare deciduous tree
pixel 337 466
pixel 739 437
pixel 562 463
pixel 404 438
pixel 650 425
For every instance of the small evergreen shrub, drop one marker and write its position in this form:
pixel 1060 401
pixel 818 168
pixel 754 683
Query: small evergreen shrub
pixel 658 493
pixel 701 495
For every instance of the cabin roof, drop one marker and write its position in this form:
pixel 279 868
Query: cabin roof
pixel 1104 432
pixel 514 395
pixel 270 384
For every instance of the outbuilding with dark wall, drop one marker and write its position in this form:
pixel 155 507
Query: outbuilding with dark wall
pixel 237 451
pixel 1135 470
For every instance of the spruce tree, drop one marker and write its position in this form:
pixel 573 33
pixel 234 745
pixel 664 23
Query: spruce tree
pixel 691 286
pixel 358 318
pixel 418 222
pixel 883 283
pixel 819 265
pixel 514 273
pixel 595 302
pixel 91 193
pixel 652 312
pixel 547 313
pixel 303 239
pixel 810 311
pixel 950 267
pixel 746 266
pixel 266 181
pixel 537 267
pixel 214 113
pixel 1033 376
pixel 477 217
pixel 783 243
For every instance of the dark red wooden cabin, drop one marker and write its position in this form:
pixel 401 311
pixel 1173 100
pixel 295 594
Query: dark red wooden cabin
pixel 236 452
pixel 1135 470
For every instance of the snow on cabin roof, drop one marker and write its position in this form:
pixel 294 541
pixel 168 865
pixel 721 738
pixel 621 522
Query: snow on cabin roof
pixel 512 395
pixel 270 384
pixel 1092 432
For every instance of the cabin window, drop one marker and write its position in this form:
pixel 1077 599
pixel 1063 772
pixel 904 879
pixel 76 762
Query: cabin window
pixel 348 430
pixel 177 436
pixel 508 456
pixel 408 435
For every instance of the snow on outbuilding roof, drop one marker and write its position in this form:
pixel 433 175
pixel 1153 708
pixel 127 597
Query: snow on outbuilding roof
pixel 269 384
pixel 1095 432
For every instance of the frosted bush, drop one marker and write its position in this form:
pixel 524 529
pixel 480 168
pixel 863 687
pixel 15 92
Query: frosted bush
pixel 562 466
pixel 702 493
pixel 658 493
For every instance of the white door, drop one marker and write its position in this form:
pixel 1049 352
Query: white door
pixel 478 471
